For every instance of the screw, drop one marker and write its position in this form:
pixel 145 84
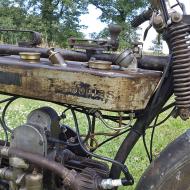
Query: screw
pixel 72 139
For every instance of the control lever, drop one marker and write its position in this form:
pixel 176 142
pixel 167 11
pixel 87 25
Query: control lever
pixel 114 30
pixel 143 17
pixel 146 32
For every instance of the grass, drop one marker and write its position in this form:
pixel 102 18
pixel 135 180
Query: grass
pixel 137 161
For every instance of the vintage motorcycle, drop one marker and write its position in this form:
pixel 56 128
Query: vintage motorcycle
pixel 128 89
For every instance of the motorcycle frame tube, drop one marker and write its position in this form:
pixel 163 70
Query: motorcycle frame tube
pixel 7 49
pixel 140 125
pixel 145 62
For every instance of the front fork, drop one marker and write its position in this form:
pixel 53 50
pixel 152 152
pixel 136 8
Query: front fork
pixel 144 120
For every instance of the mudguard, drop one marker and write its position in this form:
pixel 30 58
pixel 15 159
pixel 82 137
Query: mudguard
pixel 173 161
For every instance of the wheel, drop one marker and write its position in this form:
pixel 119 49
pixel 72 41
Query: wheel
pixel 171 170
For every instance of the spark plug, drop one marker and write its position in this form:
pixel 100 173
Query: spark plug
pixel 111 183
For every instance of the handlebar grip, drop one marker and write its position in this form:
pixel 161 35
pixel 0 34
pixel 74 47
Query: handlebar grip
pixel 144 16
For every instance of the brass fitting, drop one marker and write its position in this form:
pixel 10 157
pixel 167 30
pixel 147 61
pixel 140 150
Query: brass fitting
pixel 31 57
pixel 158 22
pixel 99 64
pixel 56 58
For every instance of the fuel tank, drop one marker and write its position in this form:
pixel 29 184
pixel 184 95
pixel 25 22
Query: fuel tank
pixel 76 84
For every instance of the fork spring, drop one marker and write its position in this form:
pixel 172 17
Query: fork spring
pixel 180 46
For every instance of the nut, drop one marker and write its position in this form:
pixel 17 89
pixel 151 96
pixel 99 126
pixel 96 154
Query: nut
pixel 158 22
pixel 176 17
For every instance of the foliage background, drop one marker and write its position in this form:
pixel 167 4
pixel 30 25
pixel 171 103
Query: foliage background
pixel 58 20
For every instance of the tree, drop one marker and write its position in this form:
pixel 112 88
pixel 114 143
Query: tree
pixel 120 12
pixel 61 17
pixel 57 20
pixel 10 17
pixel 157 47
pixel 101 35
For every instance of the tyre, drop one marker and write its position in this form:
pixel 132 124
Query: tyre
pixel 171 170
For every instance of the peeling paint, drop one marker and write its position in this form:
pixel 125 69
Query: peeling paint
pixel 100 89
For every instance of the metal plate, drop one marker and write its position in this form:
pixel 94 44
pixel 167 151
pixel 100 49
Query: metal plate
pixel 29 138
pixel 108 90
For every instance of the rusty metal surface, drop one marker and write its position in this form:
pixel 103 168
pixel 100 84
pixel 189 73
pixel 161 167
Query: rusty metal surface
pixel 99 45
pixel 101 89
pixel 153 62
pixel 88 44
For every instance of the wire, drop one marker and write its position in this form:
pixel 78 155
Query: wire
pixel 93 130
pixel 99 116
pixel 2 120
pixel 152 138
pixel 146 148
pixel 157 93
pixel 150 154
pixel 89 128
pixel 123 167
pixel 181 5
pixel 164 120
pixel 168 107
pixel 4 113
pixel 115 118
pixel 6 100
pixel 5 131
pixel 109 139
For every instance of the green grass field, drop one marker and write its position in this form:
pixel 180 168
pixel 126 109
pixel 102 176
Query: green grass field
pixel 137 161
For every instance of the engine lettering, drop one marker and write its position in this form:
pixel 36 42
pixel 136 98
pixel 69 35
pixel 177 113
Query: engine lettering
pixel 85 90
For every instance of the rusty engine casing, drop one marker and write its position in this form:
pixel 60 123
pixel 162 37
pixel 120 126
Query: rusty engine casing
pixel 76 84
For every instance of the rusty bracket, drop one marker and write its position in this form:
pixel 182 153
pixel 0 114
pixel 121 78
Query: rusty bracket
pixel 99 45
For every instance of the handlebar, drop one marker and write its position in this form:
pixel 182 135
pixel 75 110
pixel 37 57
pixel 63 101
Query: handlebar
pixel 140 19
